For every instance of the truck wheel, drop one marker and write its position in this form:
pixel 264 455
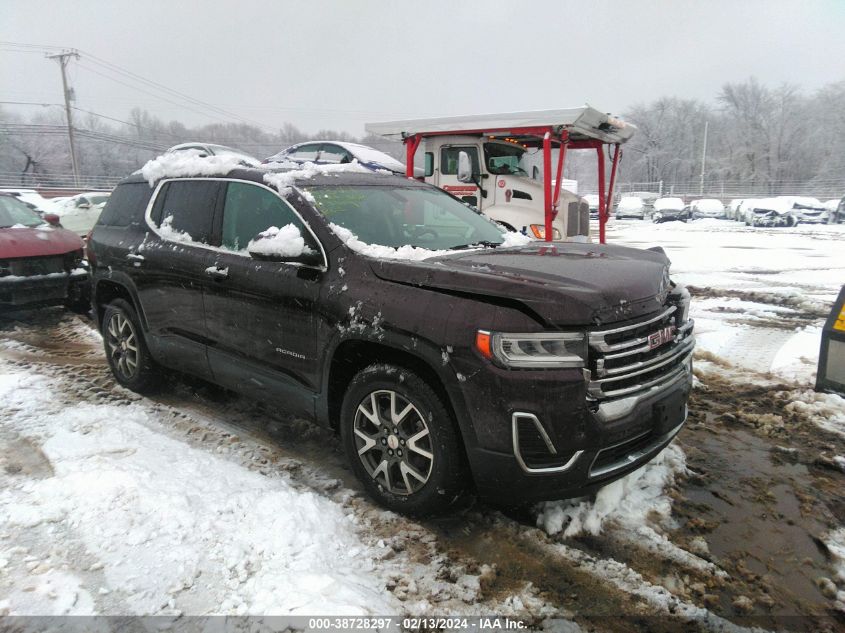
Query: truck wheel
pixel 126 350
pixel 401 441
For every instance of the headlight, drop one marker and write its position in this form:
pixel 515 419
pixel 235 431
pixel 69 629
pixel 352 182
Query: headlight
pixel 539 231
pixel 543 350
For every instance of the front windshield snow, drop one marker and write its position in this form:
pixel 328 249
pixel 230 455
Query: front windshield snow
pixel 504 159
pixel 399 216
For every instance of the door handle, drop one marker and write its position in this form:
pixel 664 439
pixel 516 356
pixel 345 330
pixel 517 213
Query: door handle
pixel 217 272
pixel 135 259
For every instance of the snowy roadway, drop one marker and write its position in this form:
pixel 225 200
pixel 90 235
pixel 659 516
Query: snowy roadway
pixel 197 502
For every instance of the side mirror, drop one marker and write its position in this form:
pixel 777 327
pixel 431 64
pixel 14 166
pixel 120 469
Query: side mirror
pixel 308 257
pixel 283 245
pixel 52 219
pixel 84 205
pixel 464 167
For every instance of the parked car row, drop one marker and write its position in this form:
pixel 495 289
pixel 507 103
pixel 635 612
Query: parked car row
pixel 775 211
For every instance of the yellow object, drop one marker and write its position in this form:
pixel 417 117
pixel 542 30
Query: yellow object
pixel 840 321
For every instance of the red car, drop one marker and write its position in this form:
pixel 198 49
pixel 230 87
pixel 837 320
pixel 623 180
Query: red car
pixel 40 262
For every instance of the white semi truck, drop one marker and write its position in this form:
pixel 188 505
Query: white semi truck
pixel 499 185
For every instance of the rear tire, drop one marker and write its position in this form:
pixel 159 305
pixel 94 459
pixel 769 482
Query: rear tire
pixel 126 350
pixel 402 442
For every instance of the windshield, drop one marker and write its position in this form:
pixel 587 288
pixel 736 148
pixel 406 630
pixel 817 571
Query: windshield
pixel 13 212
pixel 504 159
pixel 396 216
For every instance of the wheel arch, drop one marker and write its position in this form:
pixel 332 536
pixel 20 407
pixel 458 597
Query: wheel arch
pixel 353 355
pixel 107 290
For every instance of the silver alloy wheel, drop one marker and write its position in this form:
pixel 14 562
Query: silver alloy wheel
pixel 122 345
pixel 393 442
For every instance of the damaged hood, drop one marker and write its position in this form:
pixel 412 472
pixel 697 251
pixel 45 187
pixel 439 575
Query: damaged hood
pixel 563 283
pixel 37 242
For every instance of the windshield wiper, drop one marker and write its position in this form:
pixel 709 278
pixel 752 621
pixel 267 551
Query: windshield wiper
pixel 474 244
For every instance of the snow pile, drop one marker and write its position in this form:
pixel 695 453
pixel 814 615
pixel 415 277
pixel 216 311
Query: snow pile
pixel 825 409
pixel 284 242
pixel 512 238
pixel 167 231
pixel 189 163
pixel 798 358
pixel 835 542
pixel 628 501
pixel 166 528
pixel 406 252
pixel 283 181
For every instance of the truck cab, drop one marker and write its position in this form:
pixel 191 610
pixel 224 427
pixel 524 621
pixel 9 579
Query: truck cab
pixel 501 187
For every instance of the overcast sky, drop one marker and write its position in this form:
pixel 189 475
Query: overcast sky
pixel 338 64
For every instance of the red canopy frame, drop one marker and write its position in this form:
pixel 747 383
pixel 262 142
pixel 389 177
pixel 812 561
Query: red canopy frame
pixel 546 137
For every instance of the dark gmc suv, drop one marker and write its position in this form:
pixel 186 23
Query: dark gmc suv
pixel 522 373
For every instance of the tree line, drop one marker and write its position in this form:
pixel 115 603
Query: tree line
pixel 757 135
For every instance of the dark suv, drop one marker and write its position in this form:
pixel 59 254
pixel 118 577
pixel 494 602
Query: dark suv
pixel 523 373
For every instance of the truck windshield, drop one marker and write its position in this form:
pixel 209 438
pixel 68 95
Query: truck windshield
pixel 397 216
pixel 504 159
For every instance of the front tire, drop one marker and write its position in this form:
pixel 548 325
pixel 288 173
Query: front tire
pixel 126 350
pixel 402 442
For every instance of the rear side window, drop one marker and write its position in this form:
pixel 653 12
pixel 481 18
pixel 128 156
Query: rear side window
pixel 127 204
pixel 184 209
pixel 335 154
pixel 306 152
pixel 251 209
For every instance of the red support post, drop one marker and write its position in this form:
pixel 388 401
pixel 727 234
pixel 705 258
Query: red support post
pixel 411 145
pixel 561 158
pixel 602 198
pixel 617 153
pixel 547 183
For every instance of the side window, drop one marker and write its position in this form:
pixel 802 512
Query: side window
pixel 251 209
pixel 429 164
pixel 306 152
pixel 334 154
pixel 449 159
pixel 127 204
pixel 184 210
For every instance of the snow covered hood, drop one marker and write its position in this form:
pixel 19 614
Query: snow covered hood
pixel 565 283
pixel 37 242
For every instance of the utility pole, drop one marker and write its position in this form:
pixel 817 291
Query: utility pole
pixel 63 59
pixel 703 160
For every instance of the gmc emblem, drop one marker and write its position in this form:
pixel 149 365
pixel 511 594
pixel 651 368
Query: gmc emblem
pixel 661 337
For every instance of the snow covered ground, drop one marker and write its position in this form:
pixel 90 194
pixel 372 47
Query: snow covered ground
pixel 183 504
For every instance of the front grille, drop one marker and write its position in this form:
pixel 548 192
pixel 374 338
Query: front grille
pixel 638 355
pixel 29 266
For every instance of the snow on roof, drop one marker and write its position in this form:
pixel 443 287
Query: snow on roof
pixel 583 122
pixel 629 203
pixel 188 163
pixel 708 205
pixel 668 203
pixel 371 155
pixel 284 180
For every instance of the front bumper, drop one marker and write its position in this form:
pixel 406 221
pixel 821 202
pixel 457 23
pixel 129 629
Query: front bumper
pixel 642 431
pixel 36 290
